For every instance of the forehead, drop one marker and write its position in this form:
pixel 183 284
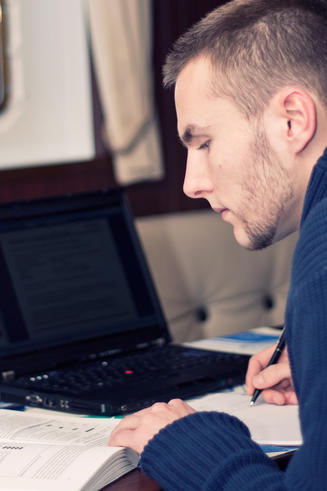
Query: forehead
pixel 196 104
pixel 193 83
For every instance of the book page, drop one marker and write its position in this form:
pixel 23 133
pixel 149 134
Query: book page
pixel 268 424
pixel 53 452
pixel 31 427
pixel 41 466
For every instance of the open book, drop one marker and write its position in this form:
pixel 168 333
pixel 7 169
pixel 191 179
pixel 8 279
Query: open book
pixel 65 453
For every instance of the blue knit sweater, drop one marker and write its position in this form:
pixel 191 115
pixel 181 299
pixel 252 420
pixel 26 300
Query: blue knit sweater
pixel 214 451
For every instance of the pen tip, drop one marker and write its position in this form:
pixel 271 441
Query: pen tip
pixel 252 403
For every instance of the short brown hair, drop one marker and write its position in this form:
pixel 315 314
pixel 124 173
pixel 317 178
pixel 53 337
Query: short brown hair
pixel 257 47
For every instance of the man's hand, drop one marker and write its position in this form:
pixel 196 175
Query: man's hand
pixel 275 381
pixel 136 430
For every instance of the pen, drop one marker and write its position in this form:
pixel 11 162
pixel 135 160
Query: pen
pixel 273 360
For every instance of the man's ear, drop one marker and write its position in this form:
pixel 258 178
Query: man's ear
pixel 299 117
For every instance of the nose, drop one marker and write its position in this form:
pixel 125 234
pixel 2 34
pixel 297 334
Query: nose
pixel 197 181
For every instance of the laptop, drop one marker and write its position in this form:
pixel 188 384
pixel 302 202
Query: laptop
pixel 81 326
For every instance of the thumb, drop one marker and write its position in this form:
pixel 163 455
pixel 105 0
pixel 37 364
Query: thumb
pixel 271 376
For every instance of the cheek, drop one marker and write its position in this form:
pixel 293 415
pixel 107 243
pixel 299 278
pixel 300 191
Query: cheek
pixel 226 176
pixel 217 166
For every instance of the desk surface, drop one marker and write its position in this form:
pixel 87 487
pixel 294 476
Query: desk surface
pixel 135 480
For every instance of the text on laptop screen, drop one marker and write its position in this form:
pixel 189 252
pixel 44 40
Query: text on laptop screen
pixel 68 275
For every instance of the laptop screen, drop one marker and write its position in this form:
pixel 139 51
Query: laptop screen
pixel 71 269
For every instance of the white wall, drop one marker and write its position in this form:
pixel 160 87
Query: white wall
pixel 48 118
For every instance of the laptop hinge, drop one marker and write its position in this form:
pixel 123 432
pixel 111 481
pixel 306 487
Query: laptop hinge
pixel 103 354
pixel 8 375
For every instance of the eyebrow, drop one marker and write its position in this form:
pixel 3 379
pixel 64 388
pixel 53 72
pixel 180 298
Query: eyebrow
pixel 191 132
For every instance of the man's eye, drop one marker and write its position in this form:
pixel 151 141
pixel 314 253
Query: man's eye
pixel 204 145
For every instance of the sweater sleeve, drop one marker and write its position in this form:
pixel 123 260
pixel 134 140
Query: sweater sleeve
pixel 209 451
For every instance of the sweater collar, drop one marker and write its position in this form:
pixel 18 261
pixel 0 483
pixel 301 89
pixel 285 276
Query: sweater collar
pixel 317 187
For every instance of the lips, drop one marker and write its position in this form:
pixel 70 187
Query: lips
pixel 219 210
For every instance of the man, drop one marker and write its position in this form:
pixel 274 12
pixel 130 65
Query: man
pixel 251 98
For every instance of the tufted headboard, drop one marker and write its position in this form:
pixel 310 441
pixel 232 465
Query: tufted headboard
pixel 207 283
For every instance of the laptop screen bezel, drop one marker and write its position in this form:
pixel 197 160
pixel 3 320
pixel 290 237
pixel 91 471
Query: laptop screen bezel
pixel 11 214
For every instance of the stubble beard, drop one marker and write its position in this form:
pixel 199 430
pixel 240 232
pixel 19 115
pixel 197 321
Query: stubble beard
pixel 268 190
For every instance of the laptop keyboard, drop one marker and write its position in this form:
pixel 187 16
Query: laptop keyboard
pixel 146 365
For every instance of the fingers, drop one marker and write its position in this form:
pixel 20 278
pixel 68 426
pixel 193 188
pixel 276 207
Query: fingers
pixel 181 408
pixel 131 433
pixel 123 438
pixel 136 430
pixel 275 381
pixel 279 397
pixel 256 364
pixel 271 376
pixel 127 424
pixel 292 398
pixel 274 397
pixel 282 393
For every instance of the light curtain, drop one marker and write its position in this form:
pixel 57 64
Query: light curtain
pixel 120 32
